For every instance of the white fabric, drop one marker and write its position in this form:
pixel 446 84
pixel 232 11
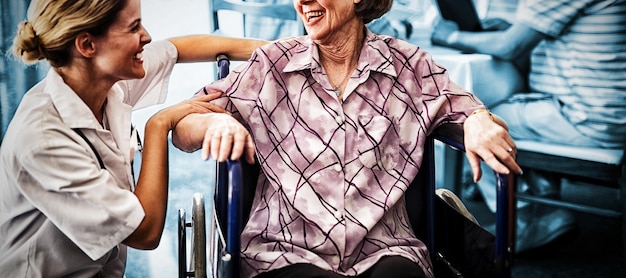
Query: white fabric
pixel 492 80
pixel 604 155
pixel 61 215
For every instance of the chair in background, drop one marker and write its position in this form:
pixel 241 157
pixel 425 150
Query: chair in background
pixel 588 170
pixel 273 16
pixel 284 12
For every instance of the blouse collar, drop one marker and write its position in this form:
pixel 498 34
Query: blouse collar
pixel 375 56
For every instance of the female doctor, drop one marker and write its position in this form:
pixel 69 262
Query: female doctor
pixel 69 204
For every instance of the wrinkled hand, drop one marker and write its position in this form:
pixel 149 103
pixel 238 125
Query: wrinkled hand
pixel 487 140
pixel 225 137
pixel 442 31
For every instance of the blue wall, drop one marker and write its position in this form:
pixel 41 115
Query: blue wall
pixel 15 77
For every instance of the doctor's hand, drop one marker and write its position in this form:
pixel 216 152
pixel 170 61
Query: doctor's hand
pixel 173 114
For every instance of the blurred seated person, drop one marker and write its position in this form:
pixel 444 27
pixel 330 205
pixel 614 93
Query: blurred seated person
pixel 338 119
pixel 577 91
pixel 407 15
pixel 401 28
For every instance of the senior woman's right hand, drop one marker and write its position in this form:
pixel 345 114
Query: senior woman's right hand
pixel 225 137
pixel 219 135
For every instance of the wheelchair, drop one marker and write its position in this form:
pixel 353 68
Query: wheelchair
pixel 458 247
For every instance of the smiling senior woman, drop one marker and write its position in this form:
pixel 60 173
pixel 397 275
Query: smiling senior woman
pixel 338 119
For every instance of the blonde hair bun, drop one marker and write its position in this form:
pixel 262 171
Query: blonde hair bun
pixel 26 44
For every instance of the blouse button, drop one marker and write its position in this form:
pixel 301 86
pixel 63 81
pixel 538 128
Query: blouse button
pixel 337 167
pixel 339 119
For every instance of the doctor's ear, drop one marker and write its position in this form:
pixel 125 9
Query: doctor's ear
pixel 85 45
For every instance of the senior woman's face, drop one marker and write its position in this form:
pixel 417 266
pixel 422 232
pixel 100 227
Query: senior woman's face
pixel 325 18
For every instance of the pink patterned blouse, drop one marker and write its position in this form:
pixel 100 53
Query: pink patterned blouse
pixel 334 172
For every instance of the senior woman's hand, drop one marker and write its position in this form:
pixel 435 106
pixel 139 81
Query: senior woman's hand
pixel 219 135
pixel 225 137
pixel 487 138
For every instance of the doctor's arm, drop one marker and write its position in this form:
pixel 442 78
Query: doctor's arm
pixel 202 48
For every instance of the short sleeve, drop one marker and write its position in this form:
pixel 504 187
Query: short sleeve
pixel 159 60
pixel 82 201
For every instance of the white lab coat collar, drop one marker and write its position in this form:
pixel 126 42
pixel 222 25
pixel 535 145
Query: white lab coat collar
pixel 75 114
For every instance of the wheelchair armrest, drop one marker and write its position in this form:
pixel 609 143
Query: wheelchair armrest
pixel 451 135
pixel 505 211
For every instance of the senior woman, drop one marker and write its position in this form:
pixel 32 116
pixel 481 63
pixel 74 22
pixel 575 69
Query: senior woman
pixel 338 119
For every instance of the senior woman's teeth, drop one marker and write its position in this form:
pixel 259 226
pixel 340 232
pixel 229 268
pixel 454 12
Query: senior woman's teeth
pixel 314 14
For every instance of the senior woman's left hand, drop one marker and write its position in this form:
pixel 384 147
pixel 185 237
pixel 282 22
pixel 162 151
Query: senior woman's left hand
pixel 486 137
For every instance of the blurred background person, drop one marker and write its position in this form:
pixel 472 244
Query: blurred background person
pixel 270 28
pixel 577 90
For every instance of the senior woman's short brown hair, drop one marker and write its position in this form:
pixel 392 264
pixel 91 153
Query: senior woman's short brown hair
pixel 368 10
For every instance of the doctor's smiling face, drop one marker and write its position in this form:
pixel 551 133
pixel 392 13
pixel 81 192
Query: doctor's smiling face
pixel 120 48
